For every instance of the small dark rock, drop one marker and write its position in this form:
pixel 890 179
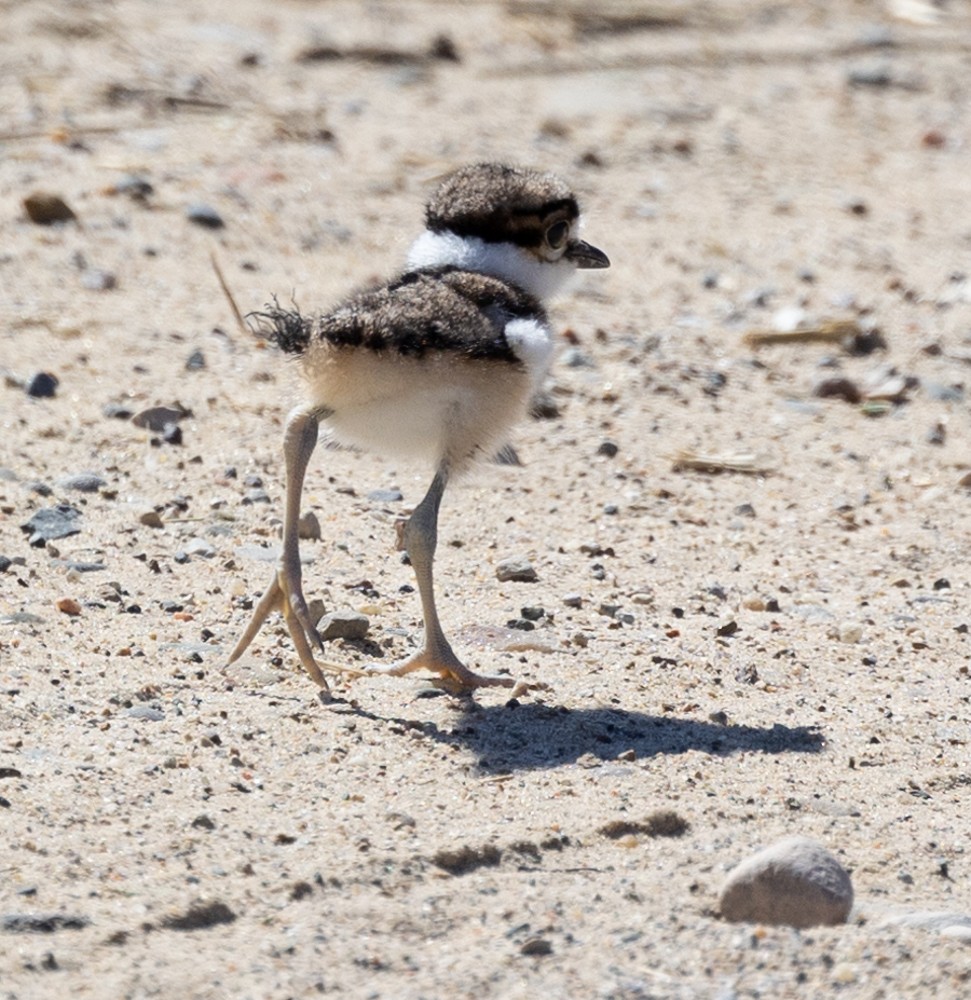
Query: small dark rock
pixel 205 216
pixel 876 75
pixel 727 628
pixel 83 482
pixel 43 385
pixel 203 822
pixel 255 496
pixel 536 947
pixel 343 625
pixel 463 860
pixel 5 564
pixel 135 187
pixel 516 569
pixel 195 362
pixel 156 418
pixel 522 624
pixel 747 674
pixel 50 523
pixel 864 342
pixel 443 47
pixel 937 434
pixel 301 890
pixel 117 411
pixel 838 388
pixel 45 209
pixel 172 434
pixel 942 584
pixel 744 510
pixel 608 448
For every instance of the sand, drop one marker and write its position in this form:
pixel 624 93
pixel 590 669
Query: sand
pixel 751 603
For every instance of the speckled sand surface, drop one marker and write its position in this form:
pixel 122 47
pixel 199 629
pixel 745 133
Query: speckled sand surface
pixel 779 649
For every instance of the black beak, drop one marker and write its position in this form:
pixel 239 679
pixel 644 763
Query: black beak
pixel 586 256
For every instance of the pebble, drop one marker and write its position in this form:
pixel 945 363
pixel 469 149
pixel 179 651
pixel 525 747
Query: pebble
pixel 145 712
pixel 517 569
pixel 204 215
pixel 42 385
pixel 573 600
pixel 151 519
pixel 157 418
pixel 870 75
pixel 838 387
pixel 343 625
pixel 5 563
pixel 171 434
pixel 50 523
pixel 195 362
pixel 199 547
pixel 573 357
pixel 608 448
pixel 69 606
pixel 117 411
pixel 255 496
pixel 794 882
pixel 94 279
pixel 45 208
pixel 135 187
pixel 83 482
pixel 942 392
pixel 536 946
pixel 308 527
pixel 385 496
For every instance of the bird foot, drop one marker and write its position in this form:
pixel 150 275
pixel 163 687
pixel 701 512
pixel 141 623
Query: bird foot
pixel 285 596
pixel 453 675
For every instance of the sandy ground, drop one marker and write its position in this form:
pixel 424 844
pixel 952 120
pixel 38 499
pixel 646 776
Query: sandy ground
pixel 777 648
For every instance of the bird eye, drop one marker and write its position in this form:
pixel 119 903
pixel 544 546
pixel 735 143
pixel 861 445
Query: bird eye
pixel 557 234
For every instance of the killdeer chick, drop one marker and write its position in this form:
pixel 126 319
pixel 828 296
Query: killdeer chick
pixel 438 363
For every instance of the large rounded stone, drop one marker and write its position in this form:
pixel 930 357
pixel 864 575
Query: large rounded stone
pixel 794 882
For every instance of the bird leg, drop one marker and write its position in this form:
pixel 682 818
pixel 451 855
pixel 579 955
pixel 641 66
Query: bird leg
pixel 418 536
pixel 285 592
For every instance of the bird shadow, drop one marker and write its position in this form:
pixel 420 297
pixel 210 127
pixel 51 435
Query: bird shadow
pixel 531 736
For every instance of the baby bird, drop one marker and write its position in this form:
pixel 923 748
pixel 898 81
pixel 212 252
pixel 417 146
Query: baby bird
pixel 439 363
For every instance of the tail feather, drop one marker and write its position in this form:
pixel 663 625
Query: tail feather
pixel 287 328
